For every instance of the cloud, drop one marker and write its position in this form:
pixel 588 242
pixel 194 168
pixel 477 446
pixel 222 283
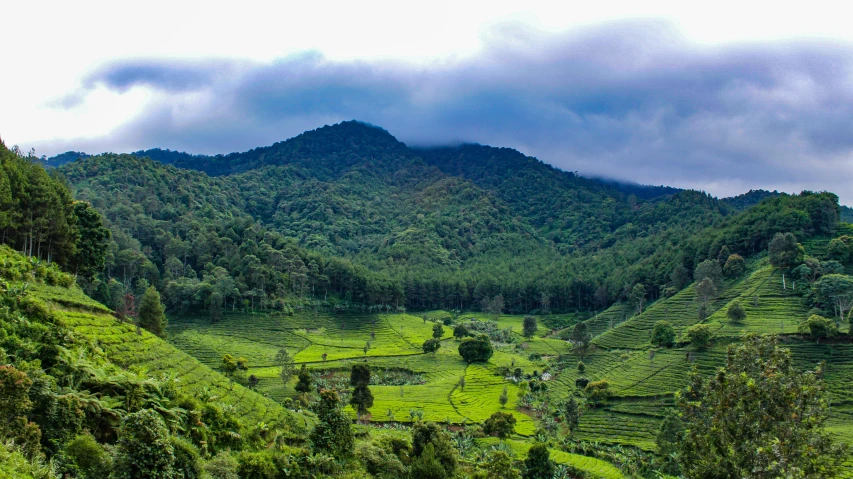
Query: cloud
pixel 632 101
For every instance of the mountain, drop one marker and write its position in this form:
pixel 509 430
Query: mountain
pixel 349 211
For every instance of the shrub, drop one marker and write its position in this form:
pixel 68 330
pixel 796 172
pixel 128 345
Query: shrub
pixel 699 335
pixel 379 462
pixel 88 457
pixel 819 327
pixel 529 326
pixel 460 331
pixel 597 391
pixel 429 436
pixel 477 349
pixel 663 334
pixel 736 313
pixel 499 424
pixel 431 345
pixel 222 466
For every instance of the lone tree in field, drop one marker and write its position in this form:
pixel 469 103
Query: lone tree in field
pixel 663 334
pixel 285 364
pixel 529 326
pixel 499 424
pixel 359 379
pixel 431 345
pixel 151 313
pixel 504 397
pixel 229 365
pixel 460 332
pixel 333 433
pixel 477 349
pixel 818 327
pixel 757 418
pixel 699 335
pixel 784 250
pixel 736 313
pixel 437 331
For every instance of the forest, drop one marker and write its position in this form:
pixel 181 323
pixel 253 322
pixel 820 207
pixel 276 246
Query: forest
pixel 342 305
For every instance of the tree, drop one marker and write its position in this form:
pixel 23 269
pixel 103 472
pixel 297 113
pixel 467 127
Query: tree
pixel 427 465
pixel 668 441
pixel 144 448
pixel 709 269
pixel 735 266
pixel 333 432
pixel 597 391
pixel 581 367
pixel 430 435
pixel 286 366
pixel 819 327
pixel 152 313
pixel 229 365
pixel 835 290
pixel 840 249
pixel 581 336
pixel 498 465
pixel 500 424
pixel 538 464
pixel 460 331
pixel 638 297
pixel 304 381
pixel 431 345
pixel 706 292
pixel 663 334
pixel 91 248
pixel 680 277
pixel 784 250
pixel 699 335
pixel 504 397
pixel 361 399
pixel 757 418
pixel 571 412
pixel 494 307
pixel 477 349
pixel 437 331
pixel 529 326
pixel 736 313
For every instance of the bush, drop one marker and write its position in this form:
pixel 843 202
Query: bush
pixel 529 326
pixel 88 457
pixel 819 327
pixel 699 335
pixel 663 334
pixel 477 349
pixel 379 462
pixel 460 331
pixel 222 466
pixel 187 460
pixel 500 424
pixel 431 345
pixel 736 313
pixel 597 391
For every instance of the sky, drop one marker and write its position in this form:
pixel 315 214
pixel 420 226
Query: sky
pixel 723 98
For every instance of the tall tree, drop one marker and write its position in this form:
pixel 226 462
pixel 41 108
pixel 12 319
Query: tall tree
pixel 152 313
pixel 758 418
pixel 333 432
pixel 784 250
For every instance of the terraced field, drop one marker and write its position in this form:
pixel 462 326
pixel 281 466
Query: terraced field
pixel 128 347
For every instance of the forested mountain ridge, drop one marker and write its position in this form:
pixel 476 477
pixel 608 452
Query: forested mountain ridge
pixel 377 223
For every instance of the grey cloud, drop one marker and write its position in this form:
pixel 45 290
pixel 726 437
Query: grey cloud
pixel 632 101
